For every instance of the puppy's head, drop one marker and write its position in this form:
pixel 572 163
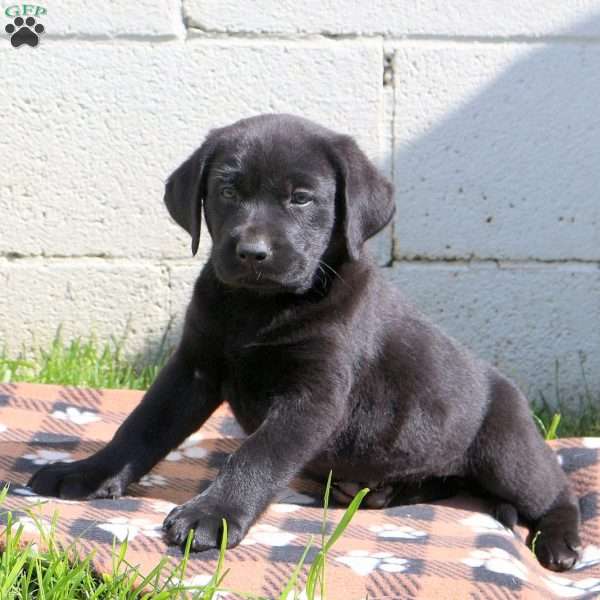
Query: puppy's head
pixel 280 195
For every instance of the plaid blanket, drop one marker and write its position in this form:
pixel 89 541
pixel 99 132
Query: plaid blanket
pixel 451 549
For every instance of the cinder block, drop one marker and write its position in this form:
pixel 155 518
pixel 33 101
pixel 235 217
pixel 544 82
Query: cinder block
pixel 182 277
pixel 108 298
pixel 496 153
pixel 524 319
pixel 91 131
pixel 387 17
pixel 109 18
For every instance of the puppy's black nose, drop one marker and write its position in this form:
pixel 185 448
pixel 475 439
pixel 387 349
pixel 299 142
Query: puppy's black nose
pixel 256 250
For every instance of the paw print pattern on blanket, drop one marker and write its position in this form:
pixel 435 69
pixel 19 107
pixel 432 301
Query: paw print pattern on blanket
pixel 364 562
pixel 44 457
pixel 498 561
pixel 75 415
pixel 123 528
pixel 563 587
pixel 399 532
pixel 189 449
pixel 454 548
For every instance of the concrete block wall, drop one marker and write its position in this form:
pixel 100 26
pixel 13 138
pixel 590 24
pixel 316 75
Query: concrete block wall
pixel 485 115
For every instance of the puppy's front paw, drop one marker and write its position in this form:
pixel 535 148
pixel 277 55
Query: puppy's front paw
pixel 557 548
pixel 76 480
pixel 204 515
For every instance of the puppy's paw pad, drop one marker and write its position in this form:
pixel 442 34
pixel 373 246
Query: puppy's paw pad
pixel 73 481
pixel 207 524
pixel 24 32
pixel 556 549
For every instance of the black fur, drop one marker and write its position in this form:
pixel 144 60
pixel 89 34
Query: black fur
pixel 325 365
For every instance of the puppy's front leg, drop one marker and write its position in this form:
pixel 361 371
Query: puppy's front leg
pixel 295 430
pixel 183 396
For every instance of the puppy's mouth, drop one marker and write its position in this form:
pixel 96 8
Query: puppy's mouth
pixel 265 280
pixel 264 284
pixel 258 281
pixel 254 280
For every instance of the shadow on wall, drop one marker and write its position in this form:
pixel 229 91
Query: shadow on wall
pixel 497 175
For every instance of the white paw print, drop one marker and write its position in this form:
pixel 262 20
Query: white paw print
pixel 33 526
pixel 3 428
pixel 284 508
pixel 589 557
pixel 567 588
pixel 498 561
pixel 591 442
pixel 363 562
pixel 267 535
pixel 123 528
pixel 162 506
pixel 75 415
pixel 481 523
pixel 30 496
pixel 189 449
pixel 45 457
pixel 153 480
pixel 403 532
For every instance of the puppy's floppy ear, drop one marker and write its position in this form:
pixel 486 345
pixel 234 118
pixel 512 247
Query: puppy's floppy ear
pixel 184 192
pixel 367 197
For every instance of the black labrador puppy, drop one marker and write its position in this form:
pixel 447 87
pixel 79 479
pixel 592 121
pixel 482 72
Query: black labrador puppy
pixel 325 365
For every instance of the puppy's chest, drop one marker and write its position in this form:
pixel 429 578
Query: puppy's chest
pixel 265 360
pixel 255 374
pixel 248 388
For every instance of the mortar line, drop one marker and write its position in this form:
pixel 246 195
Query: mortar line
pixel 393 242
pixel 185 261
pixel 202 31
pixel 197 34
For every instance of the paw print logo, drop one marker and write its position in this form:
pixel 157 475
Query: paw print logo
pixel 24 31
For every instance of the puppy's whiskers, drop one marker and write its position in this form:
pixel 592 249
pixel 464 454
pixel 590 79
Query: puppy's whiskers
pixel 322 264
pixel 322 280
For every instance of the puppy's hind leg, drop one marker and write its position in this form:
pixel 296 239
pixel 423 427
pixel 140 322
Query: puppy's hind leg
pixel 398 493
pixel 510 459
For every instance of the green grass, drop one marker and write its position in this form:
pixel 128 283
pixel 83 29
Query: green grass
pixel 574 416
pixel 85 363
pixel 45 570
pixel 89 363
pixel 60 573
pixel 29 573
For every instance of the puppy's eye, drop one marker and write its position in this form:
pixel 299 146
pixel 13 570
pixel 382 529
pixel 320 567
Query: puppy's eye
pixel 228 192
pixel 301 198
